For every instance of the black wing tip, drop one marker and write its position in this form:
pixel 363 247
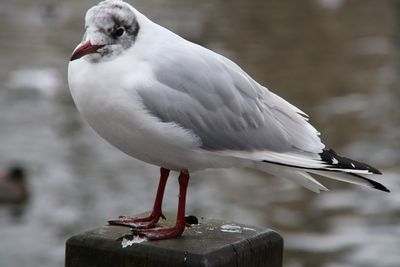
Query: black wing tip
pixel 379 186
pixel 374 184
pixel 329 155
pixel 383 188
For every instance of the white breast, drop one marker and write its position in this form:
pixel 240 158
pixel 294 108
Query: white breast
pixel 111 106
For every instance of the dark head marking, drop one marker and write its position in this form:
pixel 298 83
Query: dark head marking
pixel 112 24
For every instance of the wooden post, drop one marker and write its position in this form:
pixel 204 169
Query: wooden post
pixel 211 243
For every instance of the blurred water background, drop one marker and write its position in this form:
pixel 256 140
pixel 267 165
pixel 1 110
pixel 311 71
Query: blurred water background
pixel 338 60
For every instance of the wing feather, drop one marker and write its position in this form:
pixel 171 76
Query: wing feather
pixel 214 98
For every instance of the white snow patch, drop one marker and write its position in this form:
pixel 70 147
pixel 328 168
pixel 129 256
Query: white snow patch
pixel 231 228
pixel 129 242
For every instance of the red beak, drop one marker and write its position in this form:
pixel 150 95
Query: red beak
pixel 84 49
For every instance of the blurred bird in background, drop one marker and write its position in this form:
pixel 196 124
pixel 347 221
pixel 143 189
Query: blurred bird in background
pixel 14 191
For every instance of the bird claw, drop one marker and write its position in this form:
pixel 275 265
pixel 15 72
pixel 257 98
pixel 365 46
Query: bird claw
pixel 138 222
pixel 159 233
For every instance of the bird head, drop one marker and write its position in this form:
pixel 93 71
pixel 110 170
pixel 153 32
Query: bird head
pixel 111 28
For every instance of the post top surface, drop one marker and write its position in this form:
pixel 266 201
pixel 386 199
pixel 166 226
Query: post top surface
pixel 203 238
pixel 210 243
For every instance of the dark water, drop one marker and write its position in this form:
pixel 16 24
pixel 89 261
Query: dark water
pixel 338 60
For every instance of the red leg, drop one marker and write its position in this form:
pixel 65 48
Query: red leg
pixel 151 220
pixel 159 233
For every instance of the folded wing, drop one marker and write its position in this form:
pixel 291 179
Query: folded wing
pixel 215 99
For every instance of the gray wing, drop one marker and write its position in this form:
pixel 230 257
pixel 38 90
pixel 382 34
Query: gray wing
pixel 216 100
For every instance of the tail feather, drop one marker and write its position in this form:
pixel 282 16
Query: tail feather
pixel 298 176
pixel 352 178
pixel 304 179
pixel 330 165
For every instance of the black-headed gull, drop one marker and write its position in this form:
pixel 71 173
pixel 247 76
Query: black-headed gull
pixel 175 104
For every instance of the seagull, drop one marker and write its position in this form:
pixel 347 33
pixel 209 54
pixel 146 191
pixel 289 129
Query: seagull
pixel 177 105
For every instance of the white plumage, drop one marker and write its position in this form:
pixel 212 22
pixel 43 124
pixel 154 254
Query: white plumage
pixel 175 104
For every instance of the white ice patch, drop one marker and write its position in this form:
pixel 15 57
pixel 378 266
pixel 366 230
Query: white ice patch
pixel 353 165
pixel 231 228
pixel 334 161
pixel 136 239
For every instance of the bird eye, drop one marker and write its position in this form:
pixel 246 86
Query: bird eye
pixel 119 32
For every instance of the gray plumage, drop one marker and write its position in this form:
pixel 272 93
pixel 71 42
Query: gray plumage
pixel 215 99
